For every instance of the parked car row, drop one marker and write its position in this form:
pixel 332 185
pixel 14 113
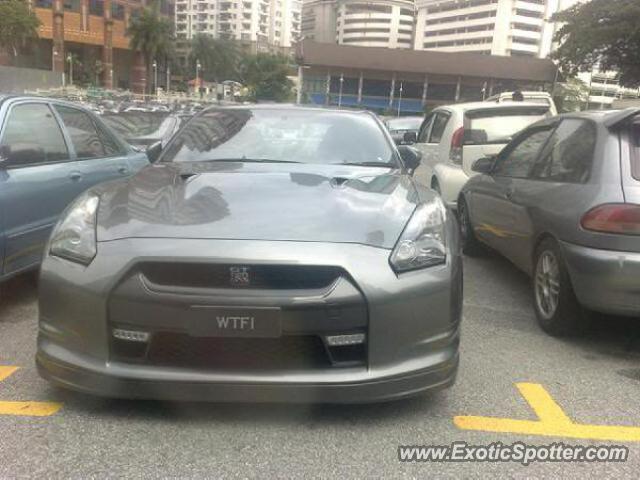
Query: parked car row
pixel 265 252
pixel 559 196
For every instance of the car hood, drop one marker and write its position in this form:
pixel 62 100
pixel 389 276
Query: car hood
pixel 252 201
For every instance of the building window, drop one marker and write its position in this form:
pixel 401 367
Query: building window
pixel 96 7
pixel 44 3
pixel 117 11
pixel 72 5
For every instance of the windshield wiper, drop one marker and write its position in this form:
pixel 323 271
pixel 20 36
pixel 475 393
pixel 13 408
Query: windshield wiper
pixel 369 164
pixel 250 160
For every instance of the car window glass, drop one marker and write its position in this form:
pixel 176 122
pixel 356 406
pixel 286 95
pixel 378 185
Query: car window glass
pixel 32 136
pixel 424 130
pixel 569 153
pixel 439 124
pixel 281 135
pixel 518 160
pixel 111 147
pixel 83 133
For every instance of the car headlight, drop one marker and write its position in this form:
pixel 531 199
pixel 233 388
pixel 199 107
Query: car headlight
pixel 74 238
pixel 422 243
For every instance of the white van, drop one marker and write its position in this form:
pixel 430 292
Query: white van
pixel 453 137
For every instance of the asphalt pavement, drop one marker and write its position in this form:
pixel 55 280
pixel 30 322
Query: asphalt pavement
pixel 595 379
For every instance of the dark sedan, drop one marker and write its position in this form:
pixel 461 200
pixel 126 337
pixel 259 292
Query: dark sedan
pixel 562 202
pixel 270 254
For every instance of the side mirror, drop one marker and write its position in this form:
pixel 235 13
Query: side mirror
pixel 410 156
pixel 484 165
pixel 409 138
pixel 154 151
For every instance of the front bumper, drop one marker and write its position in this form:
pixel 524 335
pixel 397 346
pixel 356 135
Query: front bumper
pixel 411 322
pixel 606 281
pixel 451 179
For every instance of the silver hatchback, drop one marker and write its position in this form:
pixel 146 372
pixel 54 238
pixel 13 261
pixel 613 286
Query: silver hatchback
pixel 562 202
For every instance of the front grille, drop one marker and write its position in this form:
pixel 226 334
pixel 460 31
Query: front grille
pixel 276 277
pixel 212 353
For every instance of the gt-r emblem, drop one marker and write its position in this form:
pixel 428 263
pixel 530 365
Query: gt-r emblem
pixel 239 275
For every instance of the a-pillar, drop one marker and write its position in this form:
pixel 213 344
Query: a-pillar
pixel 57 53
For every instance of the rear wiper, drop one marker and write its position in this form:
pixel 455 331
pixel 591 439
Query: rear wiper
pixel 250 160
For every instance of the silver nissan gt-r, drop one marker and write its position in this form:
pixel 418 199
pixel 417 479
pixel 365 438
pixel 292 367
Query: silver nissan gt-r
pixel 270 253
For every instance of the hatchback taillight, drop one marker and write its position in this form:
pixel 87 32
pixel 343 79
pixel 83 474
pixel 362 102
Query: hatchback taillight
pixel 455 154
pixel 621 218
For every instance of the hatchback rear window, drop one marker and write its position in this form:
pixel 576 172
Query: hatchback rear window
pixel 635 150
pixel 499 125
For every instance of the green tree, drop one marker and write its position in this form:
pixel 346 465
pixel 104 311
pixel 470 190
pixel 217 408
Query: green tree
pixel 265 75
pixel 152 34
pixel 219 58
pixel 603 33
pixel 18 26
pixel 571 96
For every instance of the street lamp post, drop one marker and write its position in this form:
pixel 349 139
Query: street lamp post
pixel 198 67
pixel 70 60
pixel 400 99
pixel 340 93
pixel 155 77
pixel 168 78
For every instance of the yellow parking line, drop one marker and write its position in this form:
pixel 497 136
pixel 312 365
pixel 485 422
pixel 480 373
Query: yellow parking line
pixel 6 372
pixel 30 409
pixel 552 421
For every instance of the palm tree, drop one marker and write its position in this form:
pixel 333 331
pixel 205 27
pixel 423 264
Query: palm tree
pixel 18 26
pixel 219 58
pixel 152 35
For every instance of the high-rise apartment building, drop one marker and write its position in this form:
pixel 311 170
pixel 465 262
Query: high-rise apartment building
pixel 496 27
pixel 261 25
pixel 365 23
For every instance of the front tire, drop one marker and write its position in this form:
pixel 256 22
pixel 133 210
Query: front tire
pixel 470 244
pixel 554 301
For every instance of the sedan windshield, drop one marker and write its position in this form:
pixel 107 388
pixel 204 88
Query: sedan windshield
pixel 140 124
pixel 282 135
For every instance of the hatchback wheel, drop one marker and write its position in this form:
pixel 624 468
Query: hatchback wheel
pixel 555 303
pixel 470 244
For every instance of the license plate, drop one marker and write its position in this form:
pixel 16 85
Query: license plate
pixel 235 322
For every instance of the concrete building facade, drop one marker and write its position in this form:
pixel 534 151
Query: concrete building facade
pixel 495 27
pixel 363 23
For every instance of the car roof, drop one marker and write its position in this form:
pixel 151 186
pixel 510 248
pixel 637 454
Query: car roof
pixel 607 117
pixel 464 107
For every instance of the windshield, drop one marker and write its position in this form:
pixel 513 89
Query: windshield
pixel 140 124
pixel 281 135
pixel 408 123
pixel 494 126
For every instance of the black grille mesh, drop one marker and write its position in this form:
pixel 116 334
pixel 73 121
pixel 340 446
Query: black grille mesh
pixel 203 275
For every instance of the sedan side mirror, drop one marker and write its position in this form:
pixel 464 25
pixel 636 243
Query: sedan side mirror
pixel 409 138
pixel 410 156
pixel 484 165
pixel 154 151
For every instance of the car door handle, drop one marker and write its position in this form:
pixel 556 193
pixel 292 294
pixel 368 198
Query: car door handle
pixel 75 176
pixel 122 170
